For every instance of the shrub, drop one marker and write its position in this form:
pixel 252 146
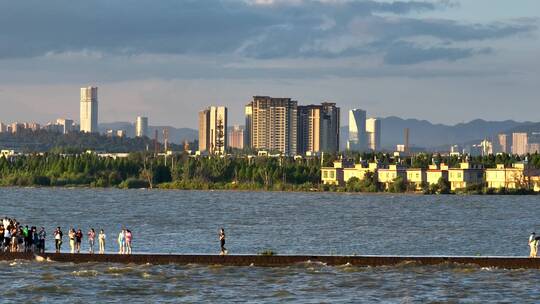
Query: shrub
pixel 398 186
pixel 268 252
pixel 134 183
pixel 41 180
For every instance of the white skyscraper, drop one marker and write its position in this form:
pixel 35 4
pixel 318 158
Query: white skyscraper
pixel 213 133
pixel 373 133
pixel 141 126
pixel 357 130
pixel 89 110
pixel 248 126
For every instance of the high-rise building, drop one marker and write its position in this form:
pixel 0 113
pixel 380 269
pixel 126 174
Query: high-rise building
pixel 318 128
pixel 65 126
pixel 204 130
pixel 533 142
pixel 534 148
pixel 3 128
pixel 520 143
pixel 218 130
pixel 486 147
pixel 115 133
pixel 373 133
pixel 17 127
pixel 248 126
pixel 236 137
pixel 406 140
pixel 121 133
pixel 503 143
pixel 141 126
pixel 89 110
pixel 213 130
pixel 34 126
pixel 274 124
pixel 357 130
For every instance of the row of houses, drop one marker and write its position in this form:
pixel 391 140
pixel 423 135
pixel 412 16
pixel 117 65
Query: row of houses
pixel 518 176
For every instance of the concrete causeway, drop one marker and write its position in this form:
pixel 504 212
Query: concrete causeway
pixel 276 260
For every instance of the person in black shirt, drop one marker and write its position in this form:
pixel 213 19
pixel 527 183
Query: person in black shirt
pixel 222 242
pixel 78 240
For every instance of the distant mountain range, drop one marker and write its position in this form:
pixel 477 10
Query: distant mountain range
pixel 422 133
pixel 176 135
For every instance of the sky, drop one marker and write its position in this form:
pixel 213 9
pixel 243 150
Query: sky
pixel 445 61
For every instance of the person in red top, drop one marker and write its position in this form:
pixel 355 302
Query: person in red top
pixel 129 237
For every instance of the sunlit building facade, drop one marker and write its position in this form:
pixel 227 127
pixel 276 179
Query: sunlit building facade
pixel 89 110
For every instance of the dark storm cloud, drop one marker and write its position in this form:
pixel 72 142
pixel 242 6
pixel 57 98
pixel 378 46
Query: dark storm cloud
pixel 30 28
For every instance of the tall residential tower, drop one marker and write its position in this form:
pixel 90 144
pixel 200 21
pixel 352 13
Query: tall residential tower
pixel 373 134
pixel 141 126
pixel 273 124
pixel 318 128
pixel 89 110
pixel 213 130
pixel 236 137
pixel 248 127
pixel 520 143
pixel 503 143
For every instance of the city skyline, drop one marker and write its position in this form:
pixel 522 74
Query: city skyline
pixel 278 124
pixel 237 113
pixel 420 59
pixel 312 129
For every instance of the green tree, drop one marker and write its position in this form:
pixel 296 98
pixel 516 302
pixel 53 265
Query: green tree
pixel 398 185
pixel 443 186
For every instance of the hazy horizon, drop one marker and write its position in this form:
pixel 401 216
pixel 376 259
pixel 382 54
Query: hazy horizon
pixel 344 123
pixel 443 61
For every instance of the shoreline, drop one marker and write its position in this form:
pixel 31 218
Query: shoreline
pixel 418 193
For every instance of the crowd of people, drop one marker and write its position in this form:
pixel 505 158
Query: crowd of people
pixel 17 237
pixel 21 238
pixel 76 237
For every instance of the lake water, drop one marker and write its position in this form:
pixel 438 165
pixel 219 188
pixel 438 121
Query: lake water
pixel 288 223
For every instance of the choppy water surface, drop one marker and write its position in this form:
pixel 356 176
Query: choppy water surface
pixel 187 222
pixel 308 283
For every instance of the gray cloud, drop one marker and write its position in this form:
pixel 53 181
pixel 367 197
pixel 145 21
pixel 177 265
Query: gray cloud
pixel 31 28
pixel 406 53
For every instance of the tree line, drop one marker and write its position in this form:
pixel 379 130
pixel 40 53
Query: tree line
pixel 182 171
pixel 141 170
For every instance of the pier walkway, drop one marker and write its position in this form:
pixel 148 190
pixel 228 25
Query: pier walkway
pixel 277 260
